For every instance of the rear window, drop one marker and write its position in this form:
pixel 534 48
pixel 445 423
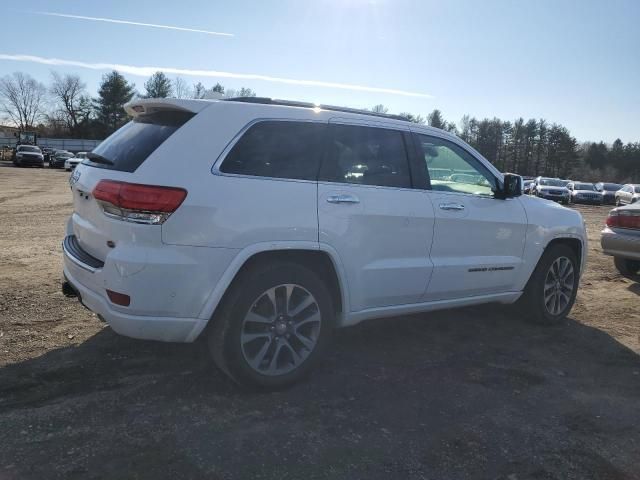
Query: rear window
pixel 132 144
pixel 277 149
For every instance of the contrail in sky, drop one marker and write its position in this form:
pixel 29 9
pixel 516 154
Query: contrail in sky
pixel 146 71
pixel 128 22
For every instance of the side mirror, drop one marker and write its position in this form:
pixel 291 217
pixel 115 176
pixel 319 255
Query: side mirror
pixel 512 187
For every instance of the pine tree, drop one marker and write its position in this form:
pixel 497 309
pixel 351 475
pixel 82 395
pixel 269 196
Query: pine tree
pixel 158 86
pixel 113 93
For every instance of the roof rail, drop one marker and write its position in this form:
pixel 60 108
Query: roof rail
pixel 292 103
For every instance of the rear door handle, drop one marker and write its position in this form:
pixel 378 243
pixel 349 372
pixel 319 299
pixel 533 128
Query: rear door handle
pixel 451 206
pixel 343 198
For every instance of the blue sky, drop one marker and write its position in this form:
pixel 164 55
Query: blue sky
pixel 572 62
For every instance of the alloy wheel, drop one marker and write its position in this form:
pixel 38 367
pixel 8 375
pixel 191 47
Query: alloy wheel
pixel 559 285
pixel 280 330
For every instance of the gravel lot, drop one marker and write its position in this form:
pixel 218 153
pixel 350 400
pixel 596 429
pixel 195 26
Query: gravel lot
pixel 472 393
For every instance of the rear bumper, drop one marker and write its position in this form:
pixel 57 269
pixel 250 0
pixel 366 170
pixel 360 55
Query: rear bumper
pixel 168 286
pixel 620 244
pixel 165 329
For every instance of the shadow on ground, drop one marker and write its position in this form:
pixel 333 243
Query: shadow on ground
pixel 472 393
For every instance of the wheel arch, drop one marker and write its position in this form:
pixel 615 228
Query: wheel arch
pixel 319 258
pixel 574 243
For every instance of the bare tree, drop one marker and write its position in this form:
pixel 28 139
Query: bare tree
pixel 22 99
pixel 181 89
pixel 69 92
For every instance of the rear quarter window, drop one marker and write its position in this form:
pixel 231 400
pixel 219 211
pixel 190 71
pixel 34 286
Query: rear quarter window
pixel 132 144
pixel 277 149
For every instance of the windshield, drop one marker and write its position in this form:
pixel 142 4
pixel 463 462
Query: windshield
pixel 28 149
pixel 552 182
pixel 611 187
pixel 82 155
pixel 584 186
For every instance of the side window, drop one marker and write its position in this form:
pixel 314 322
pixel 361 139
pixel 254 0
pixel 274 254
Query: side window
pixel 366 156
pixel 278 149
pixel 453 169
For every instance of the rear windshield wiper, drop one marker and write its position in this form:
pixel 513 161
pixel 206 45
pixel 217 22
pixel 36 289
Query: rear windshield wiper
pixel 96 158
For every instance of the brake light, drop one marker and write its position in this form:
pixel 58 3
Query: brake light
pixel 133 202
pixel 624 219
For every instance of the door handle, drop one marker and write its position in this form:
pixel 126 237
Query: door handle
pixel 343 198
pixel 451 206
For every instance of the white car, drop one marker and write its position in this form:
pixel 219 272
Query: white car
pixel 71 162
pixel 264 224
pixel 584 192
pixel 552 189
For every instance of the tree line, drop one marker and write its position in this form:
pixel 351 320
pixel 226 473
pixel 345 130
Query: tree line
pixel 532 147
pixel 65 108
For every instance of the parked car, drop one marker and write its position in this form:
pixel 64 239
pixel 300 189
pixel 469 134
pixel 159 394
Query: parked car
pixel 583 192
pixel 608 192
pixel 621 239
pixel 28 156
pixel 552 189
pixel 71 162
pixel 527 186
pixel 47 153
pixel 263 245
pixel 59 158
pixel 629 193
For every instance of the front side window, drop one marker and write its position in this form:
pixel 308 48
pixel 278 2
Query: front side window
pixel 453 169
pixel 278 149
pixel 636 189
pixel 366 156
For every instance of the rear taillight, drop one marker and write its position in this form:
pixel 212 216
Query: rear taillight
pixel 133 202
pixel 624 219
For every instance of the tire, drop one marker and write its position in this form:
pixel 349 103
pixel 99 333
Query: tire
pixel 627 267
pixel 267 362
pixel 618 202
pixel 533 301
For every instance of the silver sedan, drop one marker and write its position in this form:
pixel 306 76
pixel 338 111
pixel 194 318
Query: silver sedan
pixel 621 239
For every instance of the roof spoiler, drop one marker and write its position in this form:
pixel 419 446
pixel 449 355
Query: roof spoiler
pixel 146 106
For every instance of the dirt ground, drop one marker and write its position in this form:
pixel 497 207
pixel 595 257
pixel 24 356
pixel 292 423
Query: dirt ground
pixel 471 393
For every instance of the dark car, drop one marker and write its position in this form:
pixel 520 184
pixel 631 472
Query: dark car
pixel 58 159
pixel 608 191
pixel 28 156
pixel 47 153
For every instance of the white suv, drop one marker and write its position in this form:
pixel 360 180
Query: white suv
pixel 264 224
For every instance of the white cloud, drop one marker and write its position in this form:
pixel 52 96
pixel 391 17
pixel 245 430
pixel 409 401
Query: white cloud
pixel 146 71
pixel 128 22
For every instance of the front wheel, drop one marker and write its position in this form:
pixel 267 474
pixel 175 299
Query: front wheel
pixel 273 327
pixel 627 267
pixel 552 288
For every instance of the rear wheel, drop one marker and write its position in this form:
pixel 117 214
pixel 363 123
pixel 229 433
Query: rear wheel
pixel 273 326
pixel 627 267
pixel 552 288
